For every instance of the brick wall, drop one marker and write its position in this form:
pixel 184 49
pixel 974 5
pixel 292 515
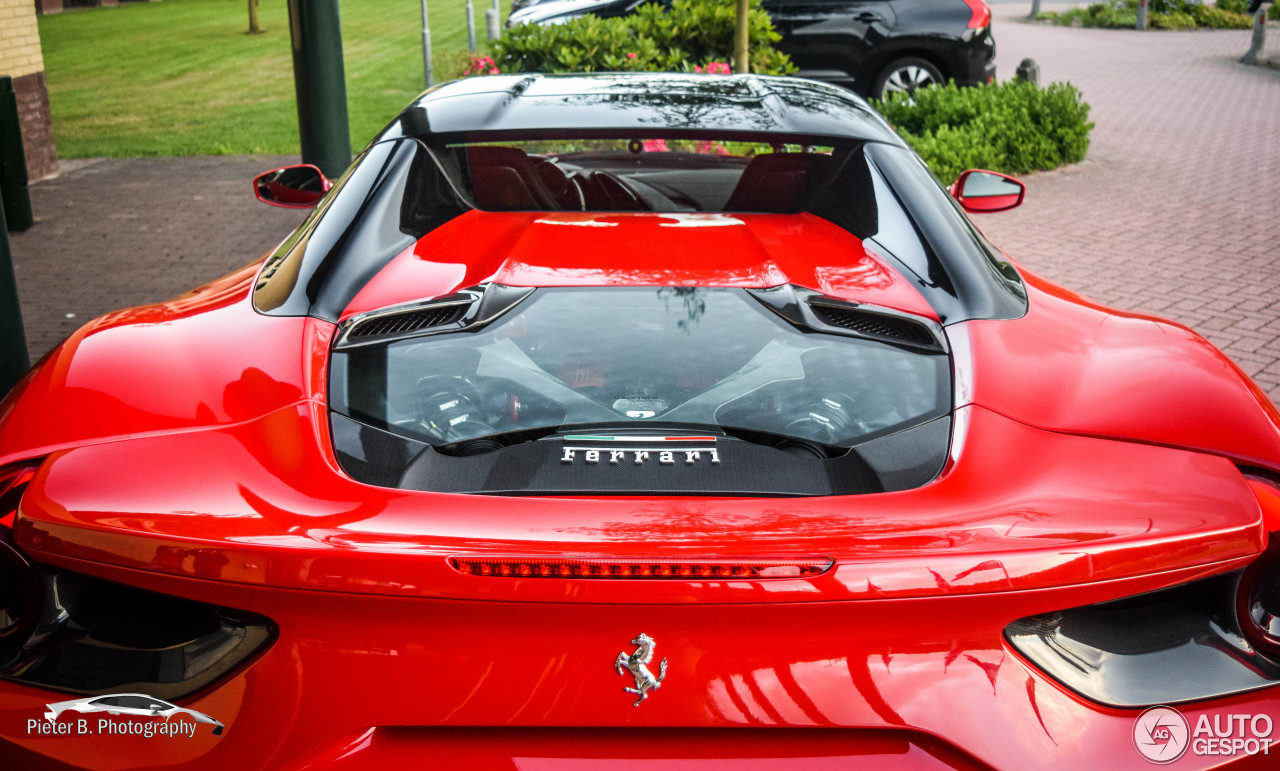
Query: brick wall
pixel 21 59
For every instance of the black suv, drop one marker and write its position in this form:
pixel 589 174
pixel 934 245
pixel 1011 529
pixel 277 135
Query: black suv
pixel 875 47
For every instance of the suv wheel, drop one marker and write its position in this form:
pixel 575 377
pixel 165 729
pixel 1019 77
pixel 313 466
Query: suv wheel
pixel 906 76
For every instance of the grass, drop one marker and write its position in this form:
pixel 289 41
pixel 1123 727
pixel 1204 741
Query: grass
pixel 181 77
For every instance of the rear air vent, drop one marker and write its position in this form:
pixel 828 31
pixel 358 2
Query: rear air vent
pixel 877 326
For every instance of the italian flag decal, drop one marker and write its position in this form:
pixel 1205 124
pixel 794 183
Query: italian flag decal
pixel 634 438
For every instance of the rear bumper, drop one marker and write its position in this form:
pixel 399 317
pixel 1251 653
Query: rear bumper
pixel 383 682
pixel 581 748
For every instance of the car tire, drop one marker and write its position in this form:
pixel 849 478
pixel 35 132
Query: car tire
pixel 906 76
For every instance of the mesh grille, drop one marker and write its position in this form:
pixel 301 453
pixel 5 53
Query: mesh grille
pixel 409 321
pixel 876 325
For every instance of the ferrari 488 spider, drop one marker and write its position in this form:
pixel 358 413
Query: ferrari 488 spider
pixel 631 421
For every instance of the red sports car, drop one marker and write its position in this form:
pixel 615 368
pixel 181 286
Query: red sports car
pixel 635 421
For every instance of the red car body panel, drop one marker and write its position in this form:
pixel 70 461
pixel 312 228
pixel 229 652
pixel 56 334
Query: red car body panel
pixel 1074 366
pixel 163 368
pixel 631 249
pixel 894 656
pixel 282 514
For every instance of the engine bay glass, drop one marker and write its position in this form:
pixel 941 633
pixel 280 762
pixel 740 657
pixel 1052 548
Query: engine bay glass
pixel 682 357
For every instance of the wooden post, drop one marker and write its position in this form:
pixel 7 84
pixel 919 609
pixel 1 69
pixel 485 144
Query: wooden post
pixel 741 64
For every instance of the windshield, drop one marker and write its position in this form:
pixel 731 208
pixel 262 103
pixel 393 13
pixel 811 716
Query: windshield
pixel 674 357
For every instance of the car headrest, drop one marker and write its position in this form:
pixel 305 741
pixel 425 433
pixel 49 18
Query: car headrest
pixel 777 182
pixel 505 179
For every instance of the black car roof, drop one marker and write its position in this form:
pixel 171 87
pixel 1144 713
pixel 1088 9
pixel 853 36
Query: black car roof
pixel 643 102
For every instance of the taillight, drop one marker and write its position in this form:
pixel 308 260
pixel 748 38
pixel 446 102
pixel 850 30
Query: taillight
pixel 76 633
pixel 1258 596
pixel 1205 639
pixel 688 570
pixel 1177 644
pixel 981 14
pixel 19 579
pixel 1258 601
pixel 96 636
pixel 13 480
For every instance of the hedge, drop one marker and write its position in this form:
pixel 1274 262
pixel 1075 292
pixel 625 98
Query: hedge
pixel 1164 14
pixel 1012 127
pixel 693 34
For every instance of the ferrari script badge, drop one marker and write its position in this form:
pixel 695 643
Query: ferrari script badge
pixel 593 455
pixel 636 665
pixel 666 450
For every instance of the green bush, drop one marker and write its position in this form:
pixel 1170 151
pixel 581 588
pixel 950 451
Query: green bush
pixel 1012 127
pixel 1221 17
pixel 693 34
pixel 1066 18
pixel 1165 14
pixel 1172 20
pixel 1116 18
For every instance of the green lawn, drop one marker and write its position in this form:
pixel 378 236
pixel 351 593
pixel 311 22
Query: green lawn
pixel 181 77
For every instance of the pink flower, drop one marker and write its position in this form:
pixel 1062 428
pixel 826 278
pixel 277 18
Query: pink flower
pixel 655 145
pixel 631 56
pixel 710 147
pixel 697 69
pixel 493 70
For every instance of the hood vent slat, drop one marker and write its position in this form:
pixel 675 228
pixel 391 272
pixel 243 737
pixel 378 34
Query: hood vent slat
pixel 876 326
pixel 408 321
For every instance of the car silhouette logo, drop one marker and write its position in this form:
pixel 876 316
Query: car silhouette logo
pixel 131 704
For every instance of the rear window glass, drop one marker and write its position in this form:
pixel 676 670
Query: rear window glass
pixel 640 174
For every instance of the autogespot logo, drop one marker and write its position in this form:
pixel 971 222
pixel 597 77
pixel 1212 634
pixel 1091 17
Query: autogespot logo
pixel 1161 734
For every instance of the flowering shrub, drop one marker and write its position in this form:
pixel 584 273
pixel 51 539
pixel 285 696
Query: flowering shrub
pixel 481 65
pixel 653 39
pixel 714 68
pixel 712 147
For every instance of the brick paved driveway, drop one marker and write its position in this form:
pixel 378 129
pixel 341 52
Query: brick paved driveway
pixel 116 233
pixel 1175 210
pixel 1163 217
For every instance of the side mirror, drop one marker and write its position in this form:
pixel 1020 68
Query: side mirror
pixel 987 191
pixel 293 187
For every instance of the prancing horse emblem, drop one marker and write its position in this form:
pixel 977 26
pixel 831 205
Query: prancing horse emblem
pixel 635 664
